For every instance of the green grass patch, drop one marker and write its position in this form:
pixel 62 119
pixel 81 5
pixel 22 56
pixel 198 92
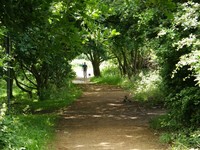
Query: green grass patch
pixel 27 132
pixel 111 80
pixel 57 99
pixel 38 129
pixel 110 75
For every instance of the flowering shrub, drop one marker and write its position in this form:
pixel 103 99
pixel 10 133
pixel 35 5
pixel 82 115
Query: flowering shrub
pixel 145 87
pixel 184 35
pixel 179 54
pixel 188 18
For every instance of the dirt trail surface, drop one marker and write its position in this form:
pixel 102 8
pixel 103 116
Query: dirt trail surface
pixel 100 120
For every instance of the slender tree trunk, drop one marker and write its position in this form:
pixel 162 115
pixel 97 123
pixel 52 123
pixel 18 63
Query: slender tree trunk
pixel 125 63
pixel 121 68
pixel 135 62
pixel 11 83
pixel 22 88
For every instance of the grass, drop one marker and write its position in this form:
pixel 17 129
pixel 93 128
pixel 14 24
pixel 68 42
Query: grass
pixel 35 131
pixel 110 75
pixel 31 123
pixel 111 80
pixel 56 100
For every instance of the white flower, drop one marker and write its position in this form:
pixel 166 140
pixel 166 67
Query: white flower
pixel 161 33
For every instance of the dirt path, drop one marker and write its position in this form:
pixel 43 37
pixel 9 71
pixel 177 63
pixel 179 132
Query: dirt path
pixel 99 120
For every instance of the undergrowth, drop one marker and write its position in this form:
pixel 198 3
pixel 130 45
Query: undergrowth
pixel 180 125
pixel 30 123
pixel 55 100
pixel 26 132
pixel 175 134
pixel 145 87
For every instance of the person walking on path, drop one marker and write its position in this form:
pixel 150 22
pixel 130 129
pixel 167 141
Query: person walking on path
pixel 84 70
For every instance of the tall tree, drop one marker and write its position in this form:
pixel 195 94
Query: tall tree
pixel 131 50
pixel 44 37
pixel 96 33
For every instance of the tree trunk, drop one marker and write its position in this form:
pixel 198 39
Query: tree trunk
pixel 95 60
pixel 11 83
pixel 96 68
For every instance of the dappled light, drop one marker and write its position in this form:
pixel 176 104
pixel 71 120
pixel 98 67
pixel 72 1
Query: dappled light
pixel 52 50
pixel 101 120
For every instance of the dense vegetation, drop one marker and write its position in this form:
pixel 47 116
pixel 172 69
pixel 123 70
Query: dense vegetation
pixel 154 45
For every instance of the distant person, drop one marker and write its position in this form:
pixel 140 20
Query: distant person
pixel 84 70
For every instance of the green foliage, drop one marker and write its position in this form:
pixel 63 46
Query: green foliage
pixel 31 13
pixel 188 18
pixel 44 38
pixel 182 38
pixel 2 89
pixel 177 48
pixel 178 53
pixel 38 129
pixel 166 138
pixel 133 20
pixel 39 63
pixel 58 98
pixel 181 124
pixel 146 86
pixel 186 139
pixel 55 99
pixel 35 127
pixel 174 133
pixel 158 123
pixel 184 106
pixel 26 132
pixel 46 35
pixel 96 33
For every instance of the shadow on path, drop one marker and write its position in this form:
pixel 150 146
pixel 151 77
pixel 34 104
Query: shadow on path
pixel 99 120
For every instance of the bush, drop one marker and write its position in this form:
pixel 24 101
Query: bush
pixel 186 139
pixel 145 87
pixel 174 133
pixel 2 89
pixel 184 107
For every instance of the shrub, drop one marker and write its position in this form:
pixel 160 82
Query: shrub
pixel 145 87
pixel 186 140
pixel 184 107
